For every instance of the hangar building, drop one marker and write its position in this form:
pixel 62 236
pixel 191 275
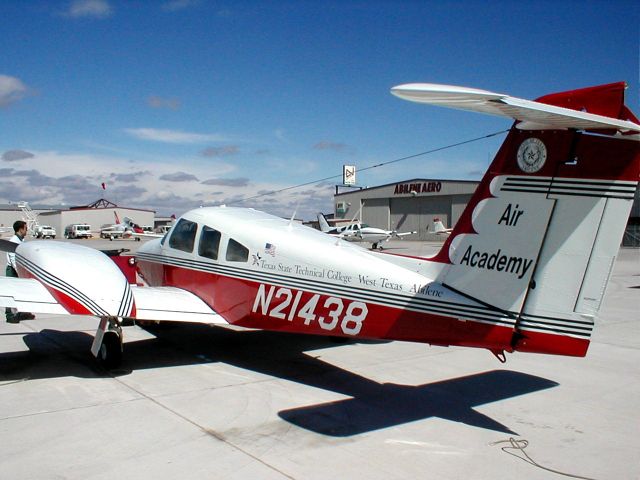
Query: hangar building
pixel 100 212
pixel 408 205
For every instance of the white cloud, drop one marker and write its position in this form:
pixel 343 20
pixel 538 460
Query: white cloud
pixel 11 90
pixel 175 5
pixel 89 8
pixel 281 134
pixel 159 102
pixel 336 147
pixel 174 136
pixel 220 151
pixel 15 155
pixel 179 177
pixel 54 178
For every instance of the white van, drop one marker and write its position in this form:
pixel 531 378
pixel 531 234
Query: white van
pixel 78 230
pixel 45 231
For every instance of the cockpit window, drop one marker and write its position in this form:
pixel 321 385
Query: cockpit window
pixel 236 252
pixel 209 243
pixel 183 235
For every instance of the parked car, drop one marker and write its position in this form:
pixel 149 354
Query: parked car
pixel 45 231
pixel 78 230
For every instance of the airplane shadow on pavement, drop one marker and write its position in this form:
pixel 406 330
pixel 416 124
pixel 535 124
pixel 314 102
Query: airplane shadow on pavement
pixel 371 406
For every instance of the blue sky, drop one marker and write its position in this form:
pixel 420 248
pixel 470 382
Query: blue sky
pixel 183 103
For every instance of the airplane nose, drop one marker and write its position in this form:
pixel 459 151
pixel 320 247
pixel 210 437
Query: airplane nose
pixel 83 280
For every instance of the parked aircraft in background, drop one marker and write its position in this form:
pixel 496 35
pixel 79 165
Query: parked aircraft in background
pixel 438 227
pixel 525 268
pixel 126 229
pixel 360 232
pixel 120 229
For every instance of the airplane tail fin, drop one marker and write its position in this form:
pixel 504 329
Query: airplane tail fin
pixel 322 221
pixel 540 236
pixel 117 218
pixel 438 226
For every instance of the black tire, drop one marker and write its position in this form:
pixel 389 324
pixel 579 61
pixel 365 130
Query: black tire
pixel 110 353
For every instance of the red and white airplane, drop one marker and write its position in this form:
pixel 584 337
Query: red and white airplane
pixel 525 268
pixel 125 229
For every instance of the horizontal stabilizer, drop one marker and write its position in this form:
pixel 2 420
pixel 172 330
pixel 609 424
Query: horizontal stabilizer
pixel 532 115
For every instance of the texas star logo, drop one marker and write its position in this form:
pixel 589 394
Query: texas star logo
pixel 531 155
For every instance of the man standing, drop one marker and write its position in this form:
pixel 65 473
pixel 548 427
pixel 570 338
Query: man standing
pixel 20 229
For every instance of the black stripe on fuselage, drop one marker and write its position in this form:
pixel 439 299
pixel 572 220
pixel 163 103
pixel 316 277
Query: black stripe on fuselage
pixel 395 299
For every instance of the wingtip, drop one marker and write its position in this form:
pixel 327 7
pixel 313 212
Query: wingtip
pixel 436 93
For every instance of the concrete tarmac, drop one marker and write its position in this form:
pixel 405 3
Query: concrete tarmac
pixel 199 402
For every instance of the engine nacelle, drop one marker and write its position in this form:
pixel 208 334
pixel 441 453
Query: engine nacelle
pixel 83 280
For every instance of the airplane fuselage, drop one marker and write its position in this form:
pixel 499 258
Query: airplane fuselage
pixel 266 278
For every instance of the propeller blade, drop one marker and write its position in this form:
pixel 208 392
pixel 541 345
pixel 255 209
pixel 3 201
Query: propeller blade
pixel 7 246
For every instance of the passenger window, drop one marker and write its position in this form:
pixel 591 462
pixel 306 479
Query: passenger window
pixel 237 252
pixel 209 243
pixel 183 236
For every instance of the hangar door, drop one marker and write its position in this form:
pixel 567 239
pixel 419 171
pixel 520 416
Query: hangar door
pixel 375 212
pixel 417 213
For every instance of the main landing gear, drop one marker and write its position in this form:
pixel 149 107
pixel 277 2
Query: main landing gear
pixel 107 344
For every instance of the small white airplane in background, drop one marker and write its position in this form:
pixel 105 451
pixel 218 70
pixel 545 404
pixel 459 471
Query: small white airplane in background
pixel 439 228
pixel 525 268
pixel 360 232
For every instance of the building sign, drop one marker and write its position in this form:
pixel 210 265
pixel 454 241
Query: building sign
pixel 348 174
pixel 417 188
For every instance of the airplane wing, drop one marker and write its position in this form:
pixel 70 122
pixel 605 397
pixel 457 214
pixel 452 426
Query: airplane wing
pixel 146 235
pixel 533 115
pixel 172 304
pixel 28 295
pixel 152 303
pixel 404 234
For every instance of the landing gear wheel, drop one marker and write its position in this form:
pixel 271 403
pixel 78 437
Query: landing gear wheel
pixel 110 353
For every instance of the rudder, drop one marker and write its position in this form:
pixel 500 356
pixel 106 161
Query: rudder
pixel 539 238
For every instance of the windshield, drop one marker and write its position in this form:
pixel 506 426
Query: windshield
pixel 83 227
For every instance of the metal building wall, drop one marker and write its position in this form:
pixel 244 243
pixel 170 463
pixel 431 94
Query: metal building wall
pixel 408 206
pixel 375 212
pixel 96 217
pixel 417 214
